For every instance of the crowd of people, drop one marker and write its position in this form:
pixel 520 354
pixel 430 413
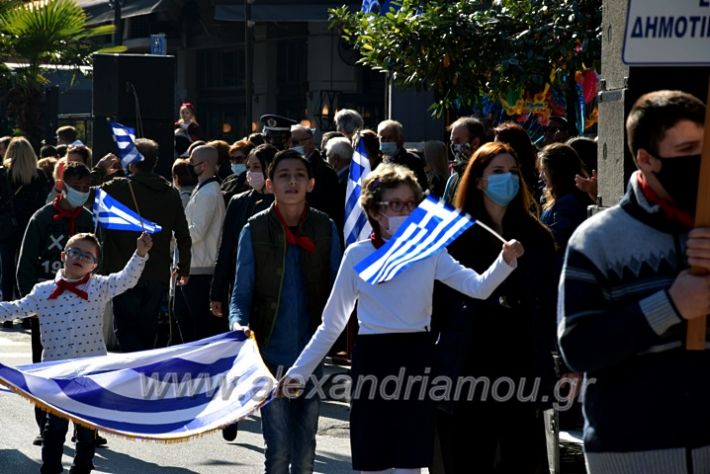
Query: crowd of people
pixel 252 240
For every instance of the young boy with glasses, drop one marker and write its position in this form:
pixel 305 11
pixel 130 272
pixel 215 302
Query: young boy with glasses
pixel 70 311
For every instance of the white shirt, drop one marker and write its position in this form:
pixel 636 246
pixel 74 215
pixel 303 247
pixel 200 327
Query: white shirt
pixel 205 217
pixel 69 325
pixel 400 305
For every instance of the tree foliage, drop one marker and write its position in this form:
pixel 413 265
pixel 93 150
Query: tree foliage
pixel 467 49
pixel 36 34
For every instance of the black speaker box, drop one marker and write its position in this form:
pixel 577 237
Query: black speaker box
pixel 132 87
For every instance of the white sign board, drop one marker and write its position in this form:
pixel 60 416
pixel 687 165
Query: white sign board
pixel 667 32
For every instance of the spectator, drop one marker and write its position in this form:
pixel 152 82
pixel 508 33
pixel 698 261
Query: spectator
pixel 205 218
pixel 236 183
pixel 66 135
pixel 188 122
pixel 340 153
pixel 184 179
pixel 48 151
pixel 256 138
pixel 372 145
pixel 223 158
pixel 135 312
pixel 508 336
pixel 586 148
pixel 557 130
pixel 4 143
pixel 277 130
pixel 391 135
pixel 348 122
pixel 436 166
pixel 327 136
pixel 516 136
pixel 467 135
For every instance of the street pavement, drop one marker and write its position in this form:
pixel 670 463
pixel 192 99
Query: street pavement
pixel 206 454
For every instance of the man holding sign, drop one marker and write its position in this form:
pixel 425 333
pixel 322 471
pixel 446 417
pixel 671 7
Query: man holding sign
pixel 626 297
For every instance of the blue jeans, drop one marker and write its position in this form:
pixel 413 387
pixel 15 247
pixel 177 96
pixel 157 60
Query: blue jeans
pixel 289 427
pixel 55 431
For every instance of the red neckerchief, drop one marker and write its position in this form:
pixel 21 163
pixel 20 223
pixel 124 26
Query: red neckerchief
pixel 71 216
pixel 63 285
pixel 306 243
pixel 376 240
pixel 671 212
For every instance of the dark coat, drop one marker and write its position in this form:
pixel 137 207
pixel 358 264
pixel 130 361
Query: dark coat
pixel 414 163
pixel 324 196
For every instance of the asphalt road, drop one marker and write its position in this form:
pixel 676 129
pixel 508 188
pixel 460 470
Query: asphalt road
pixel 207 454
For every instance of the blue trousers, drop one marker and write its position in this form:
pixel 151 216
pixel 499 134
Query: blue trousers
pixel 289 427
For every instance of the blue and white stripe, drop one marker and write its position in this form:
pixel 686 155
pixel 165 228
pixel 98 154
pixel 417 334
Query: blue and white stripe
pixel 356 225
pixel 429 228
pixel 172 393
pixel 113 215
pixel 125 138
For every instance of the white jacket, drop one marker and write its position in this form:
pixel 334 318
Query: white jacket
pixel 205 218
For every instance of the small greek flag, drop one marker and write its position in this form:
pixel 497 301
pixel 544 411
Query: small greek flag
pixel 125 138
pixel 113 215
pixel 168 394
pixel 356 225
pixel 430 227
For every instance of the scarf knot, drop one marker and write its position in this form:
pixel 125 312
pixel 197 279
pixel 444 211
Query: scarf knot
pixel 71 286
pixel 669 210
pixel 376 240
pixel 305 242
pixel 70 215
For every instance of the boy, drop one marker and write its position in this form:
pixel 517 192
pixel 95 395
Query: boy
pixel 45 237
pixel 287 259
pixel 626 294
pixel 70 311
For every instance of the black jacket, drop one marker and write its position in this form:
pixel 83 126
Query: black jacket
pixel 324 196
pixel 414 163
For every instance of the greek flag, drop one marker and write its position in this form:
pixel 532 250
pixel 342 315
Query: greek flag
pixel 125 138
pixel 356 225
pixel 381 7
pixel 430 227
pixel 111 214
pixel 168 394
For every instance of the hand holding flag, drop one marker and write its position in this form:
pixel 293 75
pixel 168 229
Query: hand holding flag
pixel 113 215
pixel 431 226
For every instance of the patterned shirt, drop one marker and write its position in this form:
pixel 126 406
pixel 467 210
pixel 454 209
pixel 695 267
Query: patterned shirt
pixel 69 325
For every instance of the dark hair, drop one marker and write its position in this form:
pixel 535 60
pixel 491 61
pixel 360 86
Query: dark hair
pixel 74 169
pixel 469 197
pixel 67 133
pixel 475 128
pixel 586 148
pixel 656 112
pixel 516 136
pixel 61 150
pixel 257 138
pixel 265 154
pixel 194 145
pixel 327 136
pixel 289 155
pixel 183 172
pixel 372 146
pixel 82 151
pixel 47 151
pixel 560 163
pixel 149 149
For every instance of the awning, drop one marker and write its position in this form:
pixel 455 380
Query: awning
pixel 101 11
pixel 277 11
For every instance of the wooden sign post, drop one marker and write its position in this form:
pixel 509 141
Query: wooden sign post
pixel 674 34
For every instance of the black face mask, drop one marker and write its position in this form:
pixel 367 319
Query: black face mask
pixel 679 176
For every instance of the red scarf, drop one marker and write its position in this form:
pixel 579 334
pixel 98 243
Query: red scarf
pixel 71 215
pixel 306 243
pixel 63 285
pixel 671 212
pixel 376 240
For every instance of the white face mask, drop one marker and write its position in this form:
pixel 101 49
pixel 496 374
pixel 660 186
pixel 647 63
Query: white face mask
pixel 255 179
pixel 394 222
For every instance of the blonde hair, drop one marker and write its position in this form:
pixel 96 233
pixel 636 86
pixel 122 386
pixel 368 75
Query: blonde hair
pixel 21 160
pixel 386 176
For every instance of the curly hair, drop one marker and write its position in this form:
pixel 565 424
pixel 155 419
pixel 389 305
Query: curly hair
pixel 386 176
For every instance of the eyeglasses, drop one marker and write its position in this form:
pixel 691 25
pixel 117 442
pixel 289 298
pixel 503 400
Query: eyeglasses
pixel 79 255
pixel 396 205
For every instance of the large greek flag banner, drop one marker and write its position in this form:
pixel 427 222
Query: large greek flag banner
pixel 430 227
pixel 125 138
pixel 356 225
pixel 168 394
pixel 113 215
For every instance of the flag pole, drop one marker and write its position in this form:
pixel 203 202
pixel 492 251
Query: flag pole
pixel 135 203
pixel 493 232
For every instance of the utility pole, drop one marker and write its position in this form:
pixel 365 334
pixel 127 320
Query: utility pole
pixel 248 65
pixel 117 21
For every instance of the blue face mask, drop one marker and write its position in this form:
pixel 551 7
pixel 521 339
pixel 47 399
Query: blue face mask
pixel 502 188
pixel 238 168
pixel 75 198
pixel 388 148
pixel 299 149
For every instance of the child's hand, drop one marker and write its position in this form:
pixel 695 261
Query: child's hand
pixel 512 249
pixel 144 244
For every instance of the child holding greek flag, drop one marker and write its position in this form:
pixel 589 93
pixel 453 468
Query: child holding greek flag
pixel 394 337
